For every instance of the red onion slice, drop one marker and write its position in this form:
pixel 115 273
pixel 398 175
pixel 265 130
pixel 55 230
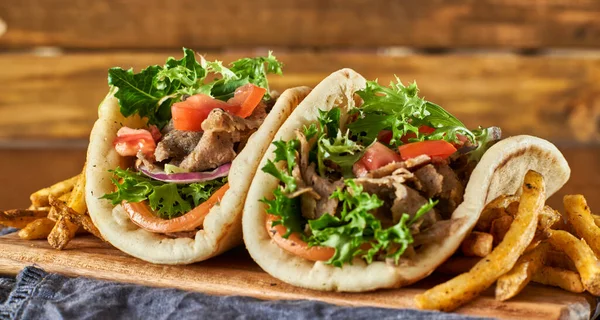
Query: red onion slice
pixel 186 177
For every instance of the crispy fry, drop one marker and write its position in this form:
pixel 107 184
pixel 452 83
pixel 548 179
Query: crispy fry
pixel 492 211
pixel 38 229
pixel 459 290
pixel 52 214
pixel 457 265
pixel 19 218
pixel 582 255
pixel 579 216
pixel 477 244
pixel 59 236
pixel 65 229
pixel 564 279
pixel 500 227
pixel 548 218
pixel 559 259
pixel 75 218
pixel 596 219
pixel 511 283
pixel 40 197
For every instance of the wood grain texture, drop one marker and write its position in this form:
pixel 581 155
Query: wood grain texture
pixel 557 98
pixel 234 273
pixel 300 23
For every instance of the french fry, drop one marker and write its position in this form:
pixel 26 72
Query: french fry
pixel 457 265
pixel 477 244
pixel 38 229
pixel 64 229
pixel 562 278
pixel 596 219
pixel 579 216
pixel 459 290
pixel 40 197
pixel 20 218
pixel 492 211
pixel 548 218
pixel 559 260
pixel 500 227
pixel 511 283
pixel 582 255
pixel 52 214
pixel 69 215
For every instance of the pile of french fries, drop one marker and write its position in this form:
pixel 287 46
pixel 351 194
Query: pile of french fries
pixel 519 239
pixel 57 213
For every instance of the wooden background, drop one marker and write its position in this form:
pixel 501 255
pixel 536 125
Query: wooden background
pixel 529 67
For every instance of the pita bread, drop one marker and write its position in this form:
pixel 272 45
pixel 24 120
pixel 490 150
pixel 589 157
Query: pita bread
pixel 500 171
pixel 222 227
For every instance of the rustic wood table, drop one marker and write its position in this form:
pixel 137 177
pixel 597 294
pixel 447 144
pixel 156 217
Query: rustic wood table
pixel 529 68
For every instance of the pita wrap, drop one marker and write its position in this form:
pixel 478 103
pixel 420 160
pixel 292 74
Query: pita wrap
pixel 500 171
pixel 222 226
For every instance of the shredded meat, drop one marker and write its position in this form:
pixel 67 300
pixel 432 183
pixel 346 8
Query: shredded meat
pixel 392 167
pixel 216 146
pixel 429 181
pixel 438 232
pixel 176 144
pixel 408 200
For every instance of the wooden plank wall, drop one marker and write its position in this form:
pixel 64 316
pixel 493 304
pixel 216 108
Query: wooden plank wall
pixel 531 67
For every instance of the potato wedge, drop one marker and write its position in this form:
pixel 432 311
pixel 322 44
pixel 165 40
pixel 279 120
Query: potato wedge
pixel 511 283
pixel 500 227
pixel 40 197
pixel 38 229
pixel 564 279
pixel 459 290
pixel 477 244
pixel 20 218
pixel 596 219
pixel 492 211
pixel 582 255
pixel 579 216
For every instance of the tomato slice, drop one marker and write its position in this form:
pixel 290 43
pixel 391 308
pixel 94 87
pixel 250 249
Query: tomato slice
pixel 141 214
pixel 376 156
pixel 433 148
pixel 385 136
pixel 188 115
pixel 131 141
pixel 247 97
pixel 294 243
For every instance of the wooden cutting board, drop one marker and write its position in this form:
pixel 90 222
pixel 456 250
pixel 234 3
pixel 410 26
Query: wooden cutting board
pixel 234 273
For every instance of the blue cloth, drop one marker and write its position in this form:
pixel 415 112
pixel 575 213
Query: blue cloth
pixel 36 294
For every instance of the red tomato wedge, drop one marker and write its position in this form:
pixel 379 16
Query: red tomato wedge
pixel 376 156
pixel 141 214
pixel 294 243
pixel 131 141
pixel 188 115
pixel 247 97
pixel 433 148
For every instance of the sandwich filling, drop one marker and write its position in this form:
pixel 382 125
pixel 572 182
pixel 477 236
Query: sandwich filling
pixel 199 116
pixel 375 182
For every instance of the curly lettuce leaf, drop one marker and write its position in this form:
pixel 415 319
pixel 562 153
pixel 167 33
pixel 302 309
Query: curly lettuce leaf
pixel 357 228
pixel 398 108
pixel 287 210
pixel 151 92
pixel 341 150
pixel 168 200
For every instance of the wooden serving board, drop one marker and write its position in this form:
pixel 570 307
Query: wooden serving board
pixel 234 273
